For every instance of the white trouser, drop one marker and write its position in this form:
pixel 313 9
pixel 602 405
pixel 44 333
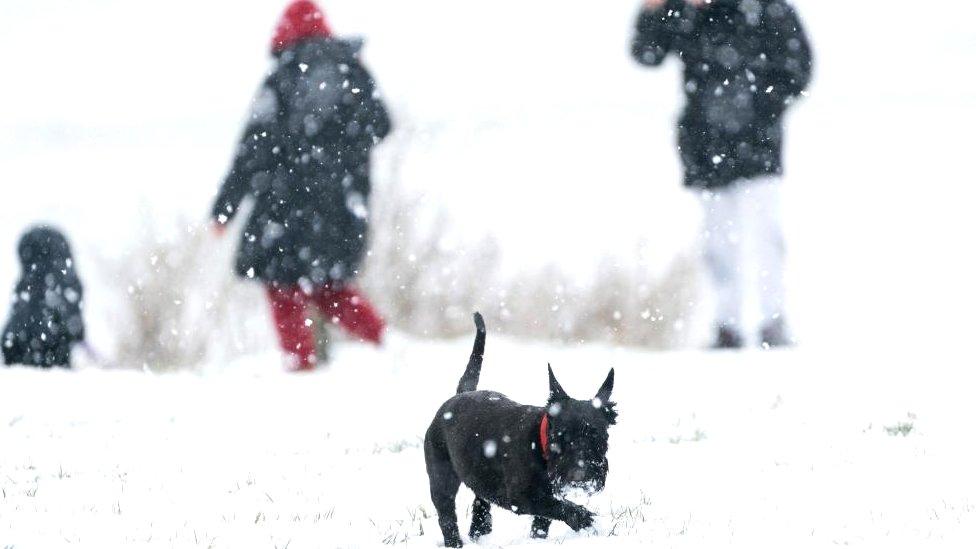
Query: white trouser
pixel 744 215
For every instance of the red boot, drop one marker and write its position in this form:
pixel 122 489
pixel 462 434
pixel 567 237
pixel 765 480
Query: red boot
pixel 288 307
pixel 347 307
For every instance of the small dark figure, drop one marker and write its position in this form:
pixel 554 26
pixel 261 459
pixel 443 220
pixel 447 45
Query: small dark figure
pixel 517 457
pixel 45 316
pixel 304 159
pixel 745 62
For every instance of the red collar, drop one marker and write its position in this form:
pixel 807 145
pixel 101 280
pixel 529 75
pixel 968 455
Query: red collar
pixel 544 436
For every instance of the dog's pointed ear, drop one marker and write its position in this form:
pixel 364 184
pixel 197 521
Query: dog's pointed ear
pixel 556 391
pixel 602 399
pixel 604 393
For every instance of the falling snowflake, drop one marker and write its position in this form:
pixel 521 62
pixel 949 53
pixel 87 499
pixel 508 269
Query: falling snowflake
pixel 490 448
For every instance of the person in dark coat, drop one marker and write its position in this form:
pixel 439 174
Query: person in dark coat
pixel 304 160
pixel 745 62
pixel 45 315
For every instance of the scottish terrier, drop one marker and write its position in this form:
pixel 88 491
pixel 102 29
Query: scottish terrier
pixel 521 458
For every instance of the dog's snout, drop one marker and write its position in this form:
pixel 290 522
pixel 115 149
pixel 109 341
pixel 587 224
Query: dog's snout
pixel 578 474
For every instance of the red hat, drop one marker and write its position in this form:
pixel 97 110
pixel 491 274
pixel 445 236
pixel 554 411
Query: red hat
pixel 303 19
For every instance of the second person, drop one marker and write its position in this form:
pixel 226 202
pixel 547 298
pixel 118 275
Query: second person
pixel 304 159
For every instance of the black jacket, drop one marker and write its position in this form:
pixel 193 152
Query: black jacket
pixel 744 63
pixel 45 316
pixel 304 159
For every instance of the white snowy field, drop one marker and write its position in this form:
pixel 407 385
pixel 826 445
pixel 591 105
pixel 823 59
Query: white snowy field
pixel 785 449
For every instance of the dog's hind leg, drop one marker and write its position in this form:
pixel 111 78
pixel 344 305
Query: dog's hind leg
pixel 444 484
pixel 481 518
pixel 540 527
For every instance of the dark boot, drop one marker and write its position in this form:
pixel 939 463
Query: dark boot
pixel 775 334
pixel 727 337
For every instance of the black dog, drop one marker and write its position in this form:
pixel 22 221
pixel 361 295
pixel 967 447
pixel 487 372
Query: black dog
pixel 514 456
pixel 45 315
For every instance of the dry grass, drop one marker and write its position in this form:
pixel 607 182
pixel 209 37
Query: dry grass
pixel 430 292
pixel 429 289
pixel 182 306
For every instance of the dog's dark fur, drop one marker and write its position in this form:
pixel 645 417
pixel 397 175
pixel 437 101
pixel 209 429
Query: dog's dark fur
pixel 492 445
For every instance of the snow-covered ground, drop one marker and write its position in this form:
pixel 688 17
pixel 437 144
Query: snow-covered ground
pixel 791 449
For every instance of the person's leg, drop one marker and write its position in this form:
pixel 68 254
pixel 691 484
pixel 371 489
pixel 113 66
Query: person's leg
pixel 291 320
pixel 761 203
pixel 722 243
pixel 350 309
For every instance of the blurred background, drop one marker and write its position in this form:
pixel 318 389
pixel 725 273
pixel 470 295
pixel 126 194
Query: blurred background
pixel 532 173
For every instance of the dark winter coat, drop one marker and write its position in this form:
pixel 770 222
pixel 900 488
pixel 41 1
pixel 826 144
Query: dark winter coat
pixel 45 315
pixel 744 63
pixel 304 159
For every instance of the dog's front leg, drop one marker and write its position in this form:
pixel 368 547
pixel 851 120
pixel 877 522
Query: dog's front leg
pixel 540 527
pixel 575 516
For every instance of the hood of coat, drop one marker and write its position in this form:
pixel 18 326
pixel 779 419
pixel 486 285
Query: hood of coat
pixel 43 248
pixel 751 9
pixel 332 48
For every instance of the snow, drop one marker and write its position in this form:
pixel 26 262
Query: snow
pixel 527 122
pixel 712 450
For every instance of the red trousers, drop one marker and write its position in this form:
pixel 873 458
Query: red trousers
pixel 344 306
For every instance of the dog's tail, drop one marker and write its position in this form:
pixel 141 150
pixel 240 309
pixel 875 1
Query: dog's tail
pixel 469 381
